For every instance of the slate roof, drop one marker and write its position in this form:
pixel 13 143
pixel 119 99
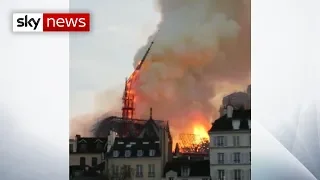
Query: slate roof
pixel 225 124
pixel 134 144
pixel 91 145
pixel 114 123
pixel 197 168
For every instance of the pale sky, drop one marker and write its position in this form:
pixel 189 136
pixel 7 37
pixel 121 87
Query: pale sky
pixel 102 59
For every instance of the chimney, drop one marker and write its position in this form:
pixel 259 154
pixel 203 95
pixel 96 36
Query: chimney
pixel 229 111
pixel 236 124
pixel 78 137
pixel 224 111
pixel 249 123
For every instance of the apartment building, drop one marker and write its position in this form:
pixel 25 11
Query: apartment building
pixel 134 158
pixel 230 145
pixel 86 151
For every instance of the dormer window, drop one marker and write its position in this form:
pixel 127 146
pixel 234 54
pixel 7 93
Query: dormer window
pixel 115 153
pixel 127 153
pixel 139 153
pixel 83 147
pixel 152 152
pixel 128 145
pixel 99 146
pixel 185 171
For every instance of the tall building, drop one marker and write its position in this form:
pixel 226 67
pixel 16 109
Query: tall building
pixel 230 145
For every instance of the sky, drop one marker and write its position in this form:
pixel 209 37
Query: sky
pixel 102 59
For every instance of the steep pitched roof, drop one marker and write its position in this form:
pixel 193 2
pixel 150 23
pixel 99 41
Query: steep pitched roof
pixel 225 124
pixel 107 123
pixel 134 145
pixel 150 130
pixel 197 168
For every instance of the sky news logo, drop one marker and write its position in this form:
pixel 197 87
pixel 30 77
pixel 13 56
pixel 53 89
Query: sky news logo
pixel 51 22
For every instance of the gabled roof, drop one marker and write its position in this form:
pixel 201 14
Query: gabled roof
pixel 91 144
pixel 150 130
pixel 197 168
pixel 133 145
pixel 225 124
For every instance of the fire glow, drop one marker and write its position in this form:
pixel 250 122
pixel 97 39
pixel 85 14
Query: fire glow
pixel 200 132
pixel 199 125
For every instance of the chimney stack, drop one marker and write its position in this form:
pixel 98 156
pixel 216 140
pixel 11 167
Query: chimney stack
pixel 78 137
pixel 229 111
pixel 236 124
pixel 224 111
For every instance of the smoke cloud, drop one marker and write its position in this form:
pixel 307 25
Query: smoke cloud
pixel 201 53
pixel 107 103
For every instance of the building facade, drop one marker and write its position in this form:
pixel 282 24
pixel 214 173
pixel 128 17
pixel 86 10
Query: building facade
pixel 134 158
pixel 143 156
pixel 85 151
pixel 230 145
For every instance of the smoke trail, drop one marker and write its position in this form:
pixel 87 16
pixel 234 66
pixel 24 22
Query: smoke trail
pixel 107 103
pixel 199 48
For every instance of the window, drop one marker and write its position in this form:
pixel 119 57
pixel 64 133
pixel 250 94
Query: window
pixel 250 157
pixel 151 170
pixel 99 146
pixel 220 158
pixel 139 153
pixel 115 171
pixel 125 168
pixel 115 153
pixel 83 147
pixel 82 161
pixel 220 141
pixel 94 161
pixel 139 171
pixel 70 147
pixel 249 174
pixel 127 153
pixel 236 157
pixel 221 175
pixel 185 171
pixel 250 140
pixel 236 140
pixel 171 178
pixel 237 174
pixel 152 152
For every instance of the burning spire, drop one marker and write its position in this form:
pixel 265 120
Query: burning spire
pixel 128 95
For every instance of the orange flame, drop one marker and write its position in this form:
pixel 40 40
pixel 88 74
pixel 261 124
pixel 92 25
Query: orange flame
pixel 201 133
pixel 199 123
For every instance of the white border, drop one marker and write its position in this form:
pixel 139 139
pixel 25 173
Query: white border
pixel 34 97
pixel 285 82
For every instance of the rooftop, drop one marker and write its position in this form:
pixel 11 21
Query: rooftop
pixel 225 124
pixel 135 147
pixel 90 144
